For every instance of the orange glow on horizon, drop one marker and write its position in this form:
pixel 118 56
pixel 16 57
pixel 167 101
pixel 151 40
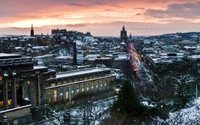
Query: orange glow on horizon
pixel 84 14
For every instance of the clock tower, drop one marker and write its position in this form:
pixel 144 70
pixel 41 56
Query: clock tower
pixel 123 35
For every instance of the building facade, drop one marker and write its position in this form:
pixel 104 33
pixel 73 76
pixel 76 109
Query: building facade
pixel 13 105
pixel 68 86
pixel 20 85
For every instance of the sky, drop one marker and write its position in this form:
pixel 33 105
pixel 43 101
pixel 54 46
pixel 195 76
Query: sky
pixel 100 17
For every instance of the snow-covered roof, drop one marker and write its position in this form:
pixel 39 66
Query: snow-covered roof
pixel 64 57
pixel 39 67
pixel 3 55
pixel 81 72
pixel 44 56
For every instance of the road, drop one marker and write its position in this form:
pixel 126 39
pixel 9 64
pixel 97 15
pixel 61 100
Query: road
pixel 137 64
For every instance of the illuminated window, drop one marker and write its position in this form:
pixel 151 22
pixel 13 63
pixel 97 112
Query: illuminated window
pixel 96 86
pixel 61 93
pixel 53 84
pixel 67 95
pixel 92 85
pixel 101 87
pixel 83 87
pixel 87 88
pixel 28 82
pixel 10 102
pixel 72 91
pixel 77 90
pixel 1 78
pixel 1 103
pixel 55 95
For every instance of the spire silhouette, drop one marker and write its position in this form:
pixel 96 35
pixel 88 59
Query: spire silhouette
pixel 32 30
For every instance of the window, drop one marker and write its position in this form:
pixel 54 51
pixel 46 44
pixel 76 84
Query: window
pixel 49 100
pixel 9 94
pixel 1 78
pixel 92 86
pixel 101 87
pixel 77 89
pixel 87 87
pixel 9 101
pixel 59 83
pixel 75 79
pixel 61 93
pixel 1 95
pixel 28 82
pixel 53 84
pixel 55 95
pixel 96 85
pixel 1 103
pixel 67 93
pixel 51 76
pixel 72 91
pixel 70 81
pixel 65 82
pixel 82 87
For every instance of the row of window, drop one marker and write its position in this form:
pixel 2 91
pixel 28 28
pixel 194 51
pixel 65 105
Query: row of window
pixel 68 92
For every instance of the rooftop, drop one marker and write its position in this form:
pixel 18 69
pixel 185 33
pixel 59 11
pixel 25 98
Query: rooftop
pixel 7 55
pixel 81 72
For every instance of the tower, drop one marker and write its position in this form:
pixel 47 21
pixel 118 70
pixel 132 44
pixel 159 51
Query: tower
pixel 123 35
pixel 32 31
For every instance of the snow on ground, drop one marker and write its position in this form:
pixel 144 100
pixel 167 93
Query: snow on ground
pixel 190 115
pixel 79 42
pixel 91 112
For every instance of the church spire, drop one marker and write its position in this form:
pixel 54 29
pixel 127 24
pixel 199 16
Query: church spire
pixel 123 28
pixel 32 31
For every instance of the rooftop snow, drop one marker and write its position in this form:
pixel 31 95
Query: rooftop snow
pixel 81 72
pixel 39 67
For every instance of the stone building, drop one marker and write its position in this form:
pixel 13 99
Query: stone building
pixel 68 85
pixel 24 86
pixel 19 87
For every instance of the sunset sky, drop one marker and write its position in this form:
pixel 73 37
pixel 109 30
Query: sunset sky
pixel 100 17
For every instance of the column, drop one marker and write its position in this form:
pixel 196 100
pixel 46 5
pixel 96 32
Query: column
pixel 5 92
pixel 14 96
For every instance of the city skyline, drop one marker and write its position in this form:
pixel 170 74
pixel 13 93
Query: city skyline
pixel 101 18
